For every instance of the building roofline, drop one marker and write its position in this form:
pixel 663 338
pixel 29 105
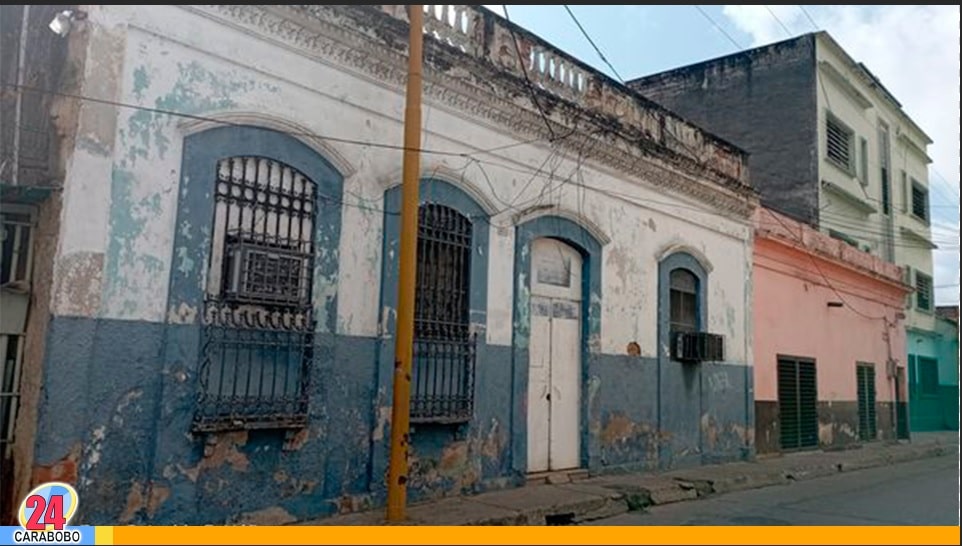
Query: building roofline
pixel 870 79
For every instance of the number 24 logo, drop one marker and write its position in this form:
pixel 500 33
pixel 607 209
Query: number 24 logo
pixel 49 506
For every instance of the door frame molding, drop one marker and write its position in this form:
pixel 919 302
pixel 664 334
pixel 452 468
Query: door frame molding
pixel 582 240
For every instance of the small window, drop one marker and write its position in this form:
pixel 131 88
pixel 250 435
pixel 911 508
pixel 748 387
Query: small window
pixel 684 301
pixel 839 144
pixel 920 201
pixel 863 160
pixel 905 192
pixel 923 291
pixel 928 375
pixel 15 259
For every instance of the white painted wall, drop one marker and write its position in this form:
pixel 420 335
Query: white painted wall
pixel 173 58
pixel 837 214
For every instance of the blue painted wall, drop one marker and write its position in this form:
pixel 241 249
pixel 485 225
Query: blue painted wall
pixel 119 396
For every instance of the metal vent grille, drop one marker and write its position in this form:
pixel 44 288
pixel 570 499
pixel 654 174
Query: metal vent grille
pixel 867 424
pixel 797 402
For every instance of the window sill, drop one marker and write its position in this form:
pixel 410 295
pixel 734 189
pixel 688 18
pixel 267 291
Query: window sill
pixel 847 170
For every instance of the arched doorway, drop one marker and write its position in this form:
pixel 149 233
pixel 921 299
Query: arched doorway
pixel 554 363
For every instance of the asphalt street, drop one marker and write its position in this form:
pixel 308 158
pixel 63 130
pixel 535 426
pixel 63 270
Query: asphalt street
pixel 922 492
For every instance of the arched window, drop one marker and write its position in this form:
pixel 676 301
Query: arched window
pixel 443 379
pixel 258 311
pixel 683 302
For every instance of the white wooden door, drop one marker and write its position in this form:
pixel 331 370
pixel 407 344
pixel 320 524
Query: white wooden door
pixel 554 371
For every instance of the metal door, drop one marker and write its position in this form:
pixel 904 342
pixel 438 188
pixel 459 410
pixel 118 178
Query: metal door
pixel 554 372
pixel 797 403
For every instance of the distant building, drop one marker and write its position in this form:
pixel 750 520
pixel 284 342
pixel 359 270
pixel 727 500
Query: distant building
pixel 827 328
pixel 829 146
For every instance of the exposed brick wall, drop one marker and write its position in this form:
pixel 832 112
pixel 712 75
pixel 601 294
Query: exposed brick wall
pixel 763 101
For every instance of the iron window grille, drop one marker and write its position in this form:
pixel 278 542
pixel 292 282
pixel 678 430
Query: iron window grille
pixel 258 335
pixel 444 346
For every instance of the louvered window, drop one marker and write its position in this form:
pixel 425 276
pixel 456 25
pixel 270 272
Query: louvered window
pixel 865 380
pixel 797 402
pixel 683 298
pixel 839 147
pixel 920 201
pixel 923 291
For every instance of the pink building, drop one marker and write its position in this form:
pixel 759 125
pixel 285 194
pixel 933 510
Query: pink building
pixel 828 340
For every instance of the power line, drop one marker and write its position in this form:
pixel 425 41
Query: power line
pixel 825 277
pixel 809 17
pixel 229 123
pixel 712 21
pixel 779 21
pixel 592 42
pixel 524 70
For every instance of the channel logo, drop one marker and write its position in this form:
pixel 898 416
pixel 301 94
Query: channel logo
pixel 44 516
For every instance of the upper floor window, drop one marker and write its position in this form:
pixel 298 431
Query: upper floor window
pixel 923 291
pixel 259 323
pixel 920 201
pixel 839 144
pixel 683 303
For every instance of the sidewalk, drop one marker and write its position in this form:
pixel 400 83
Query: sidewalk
pixel 609 495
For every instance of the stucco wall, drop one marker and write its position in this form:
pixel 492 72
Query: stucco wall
pixel 123 345
pixel 794 282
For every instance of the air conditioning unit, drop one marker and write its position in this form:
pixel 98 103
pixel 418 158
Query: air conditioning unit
pixel 697 347
pixel 264 273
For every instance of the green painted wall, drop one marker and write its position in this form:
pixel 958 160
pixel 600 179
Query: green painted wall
pixel 937 409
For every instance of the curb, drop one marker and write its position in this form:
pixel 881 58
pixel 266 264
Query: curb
pixel 607 496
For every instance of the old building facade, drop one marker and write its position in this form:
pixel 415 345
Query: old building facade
pixel 835 386
pixel 224 280
pixel 831 147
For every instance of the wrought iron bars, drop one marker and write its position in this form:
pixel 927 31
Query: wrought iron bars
pixel 444 347
pixel 258 321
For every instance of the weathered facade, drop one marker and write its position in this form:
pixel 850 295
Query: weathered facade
pixel 829 146
pixel 32 138
pixel 827 337
pixel 220 347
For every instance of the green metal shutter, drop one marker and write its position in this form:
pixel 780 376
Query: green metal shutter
pixel 797 403
pixel 865 378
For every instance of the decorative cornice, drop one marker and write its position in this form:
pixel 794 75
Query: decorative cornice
pixel 367 42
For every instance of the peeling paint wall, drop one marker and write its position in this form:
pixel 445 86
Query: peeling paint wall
pixel 124 342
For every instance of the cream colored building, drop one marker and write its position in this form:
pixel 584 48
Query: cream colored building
pixel 829 146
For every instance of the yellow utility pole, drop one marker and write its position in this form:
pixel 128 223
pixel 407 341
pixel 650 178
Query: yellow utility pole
pixel 404 340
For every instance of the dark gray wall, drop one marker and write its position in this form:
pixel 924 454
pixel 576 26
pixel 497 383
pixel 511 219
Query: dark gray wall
pixel 764 101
